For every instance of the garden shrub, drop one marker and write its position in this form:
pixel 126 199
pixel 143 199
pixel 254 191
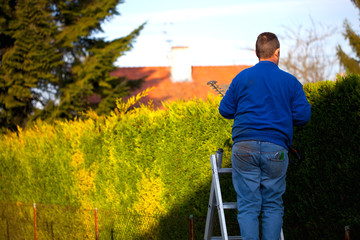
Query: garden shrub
pixel 156 164
pixel 322 196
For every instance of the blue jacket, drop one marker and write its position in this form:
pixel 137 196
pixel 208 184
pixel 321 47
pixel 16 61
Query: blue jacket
pixel 265 103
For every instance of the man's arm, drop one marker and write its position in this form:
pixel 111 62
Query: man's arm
pixel 301 109
pixel 227 107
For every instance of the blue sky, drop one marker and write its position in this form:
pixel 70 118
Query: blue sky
pixel 220 32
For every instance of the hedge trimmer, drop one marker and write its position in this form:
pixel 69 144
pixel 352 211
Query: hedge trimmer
pixel 216 87
pixel 219 90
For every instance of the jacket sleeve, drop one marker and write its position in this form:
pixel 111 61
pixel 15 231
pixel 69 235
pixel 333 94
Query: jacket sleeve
pixel 301 109
pixel 227 107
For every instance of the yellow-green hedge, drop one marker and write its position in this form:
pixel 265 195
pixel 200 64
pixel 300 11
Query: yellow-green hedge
pixel 140 160
pixel 157 163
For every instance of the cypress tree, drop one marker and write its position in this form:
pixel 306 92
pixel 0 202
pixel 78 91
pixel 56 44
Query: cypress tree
pixel 351 64
pixel 28 58
pixel 51 65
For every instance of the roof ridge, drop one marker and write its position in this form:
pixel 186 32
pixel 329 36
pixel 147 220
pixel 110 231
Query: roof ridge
pixel 141 66
pixel 228 65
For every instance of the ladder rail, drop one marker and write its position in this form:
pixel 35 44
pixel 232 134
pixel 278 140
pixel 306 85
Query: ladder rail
pixel 218 196
pixel 216 202
pixel 210 213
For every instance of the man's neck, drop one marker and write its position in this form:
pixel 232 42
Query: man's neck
pixel 272 59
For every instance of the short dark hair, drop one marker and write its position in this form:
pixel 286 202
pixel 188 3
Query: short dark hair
pixel 266 44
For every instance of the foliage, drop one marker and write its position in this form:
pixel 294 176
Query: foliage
pixel 350 63
pixel 320 199
pixel 116 162
pixel 51 66
pixel 156 164
pixel 27 58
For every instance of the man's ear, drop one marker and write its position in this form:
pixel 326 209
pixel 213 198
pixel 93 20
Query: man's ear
pixel 277 53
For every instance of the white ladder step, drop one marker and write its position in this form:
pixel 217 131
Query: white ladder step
pixel 229 237
pixel 225 170
pixel 230 205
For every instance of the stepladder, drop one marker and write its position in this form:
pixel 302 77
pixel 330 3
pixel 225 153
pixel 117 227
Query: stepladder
pixel 216 202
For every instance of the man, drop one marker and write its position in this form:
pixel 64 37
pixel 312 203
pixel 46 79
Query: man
pixel 265 103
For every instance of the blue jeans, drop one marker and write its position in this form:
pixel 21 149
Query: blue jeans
pixel 259 171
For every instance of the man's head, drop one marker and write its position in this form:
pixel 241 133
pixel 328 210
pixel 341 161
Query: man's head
pixel 267 46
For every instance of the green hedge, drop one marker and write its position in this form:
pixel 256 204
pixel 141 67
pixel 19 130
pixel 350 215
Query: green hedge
pixel 157 163
pixel 323 192
pixel 137 160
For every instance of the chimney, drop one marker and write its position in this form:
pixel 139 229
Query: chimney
pixel 180 64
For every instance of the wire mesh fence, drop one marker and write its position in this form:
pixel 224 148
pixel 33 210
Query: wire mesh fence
pixel 46 221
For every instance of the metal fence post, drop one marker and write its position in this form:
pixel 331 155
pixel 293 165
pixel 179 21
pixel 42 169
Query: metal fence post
pixel 35 230
pixel 7 230
pixel 347 232
pixel 191 220
pixel 96 225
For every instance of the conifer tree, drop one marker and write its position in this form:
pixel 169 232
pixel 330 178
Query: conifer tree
pixel 50 58
pixel 350 63
pixel 28 58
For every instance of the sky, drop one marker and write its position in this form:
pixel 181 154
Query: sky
pixel 221 32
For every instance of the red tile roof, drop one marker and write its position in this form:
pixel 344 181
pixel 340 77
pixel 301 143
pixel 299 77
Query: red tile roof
pixel 166 90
